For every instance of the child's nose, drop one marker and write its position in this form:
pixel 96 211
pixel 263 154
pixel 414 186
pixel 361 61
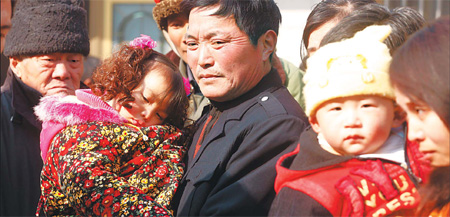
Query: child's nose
pixel 352 119
pixel 147 113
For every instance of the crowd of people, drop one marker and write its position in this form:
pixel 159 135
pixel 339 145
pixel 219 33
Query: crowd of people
pixel 220 125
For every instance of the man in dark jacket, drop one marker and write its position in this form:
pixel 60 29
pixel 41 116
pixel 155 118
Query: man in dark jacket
pixel 252 119
pixel 46 45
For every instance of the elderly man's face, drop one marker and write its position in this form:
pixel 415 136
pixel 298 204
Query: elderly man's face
pixel 51 73
pixel 224 61
pixel 6 20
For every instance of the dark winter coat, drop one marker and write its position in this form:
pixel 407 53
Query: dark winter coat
pixel 233 171
pixel 21 162
pixel 313 182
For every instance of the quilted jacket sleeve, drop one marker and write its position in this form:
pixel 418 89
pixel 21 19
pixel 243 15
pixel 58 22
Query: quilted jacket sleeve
pixel 114 169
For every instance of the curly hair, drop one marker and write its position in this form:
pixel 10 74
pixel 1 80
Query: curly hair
pixel 120 74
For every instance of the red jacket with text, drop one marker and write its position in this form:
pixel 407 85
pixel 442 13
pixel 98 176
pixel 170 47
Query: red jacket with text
pixel 313 182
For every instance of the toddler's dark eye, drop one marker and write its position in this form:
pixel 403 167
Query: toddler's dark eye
pixel 336 109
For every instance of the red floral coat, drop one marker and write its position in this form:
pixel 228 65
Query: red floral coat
pixel 106 168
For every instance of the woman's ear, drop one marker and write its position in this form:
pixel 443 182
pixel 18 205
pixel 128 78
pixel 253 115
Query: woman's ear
pixel 269 43
pixel 399 116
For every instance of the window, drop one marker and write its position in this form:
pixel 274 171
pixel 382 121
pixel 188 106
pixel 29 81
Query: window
pixel 131 20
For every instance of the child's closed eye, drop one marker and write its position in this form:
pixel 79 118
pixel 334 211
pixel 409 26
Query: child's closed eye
pixel 127 105
pixel 160 117
pixel 145 98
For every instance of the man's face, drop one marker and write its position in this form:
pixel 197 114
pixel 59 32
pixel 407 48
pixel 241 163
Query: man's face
pixel 224 61
pixel 6 20
pixel 51 73
pixel 176 27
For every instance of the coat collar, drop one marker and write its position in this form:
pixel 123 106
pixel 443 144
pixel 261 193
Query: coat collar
pixel 24 98
pixel 271 80
pixel 312 156
pixel 233 110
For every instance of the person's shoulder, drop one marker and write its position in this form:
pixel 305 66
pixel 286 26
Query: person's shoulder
pixel 290 68
pixel 279 103
pixel 173 56
pixel 271 104
pixel 267 110
pixel 6 99
pixel 6 87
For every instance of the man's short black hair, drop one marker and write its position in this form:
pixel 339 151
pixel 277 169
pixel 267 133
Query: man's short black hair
pixel 254 17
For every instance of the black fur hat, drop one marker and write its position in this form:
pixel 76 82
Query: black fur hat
pixel 48 26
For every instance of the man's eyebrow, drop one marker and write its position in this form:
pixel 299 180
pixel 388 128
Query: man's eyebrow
pixel 189 36
pixel 209 35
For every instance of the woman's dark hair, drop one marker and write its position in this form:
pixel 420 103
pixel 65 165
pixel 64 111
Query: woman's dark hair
pixel 436 193
pixel 328 10
pixel 120 74
pixel 420 68
pixel 254 17
pixel 404 21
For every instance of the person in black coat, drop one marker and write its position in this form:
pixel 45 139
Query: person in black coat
pixel 252 119
pixel 46 46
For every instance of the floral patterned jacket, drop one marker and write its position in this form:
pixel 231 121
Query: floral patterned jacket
pixel 96 167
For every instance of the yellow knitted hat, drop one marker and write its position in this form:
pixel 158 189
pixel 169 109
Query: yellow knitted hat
pixel 354 66
pixel 163 9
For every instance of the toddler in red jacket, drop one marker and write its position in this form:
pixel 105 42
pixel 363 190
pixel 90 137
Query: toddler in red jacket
pixel 352 162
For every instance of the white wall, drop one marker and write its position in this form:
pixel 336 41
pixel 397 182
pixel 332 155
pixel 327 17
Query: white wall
pixel 294 14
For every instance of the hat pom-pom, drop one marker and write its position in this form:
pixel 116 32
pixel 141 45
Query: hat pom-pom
pixel 144 41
